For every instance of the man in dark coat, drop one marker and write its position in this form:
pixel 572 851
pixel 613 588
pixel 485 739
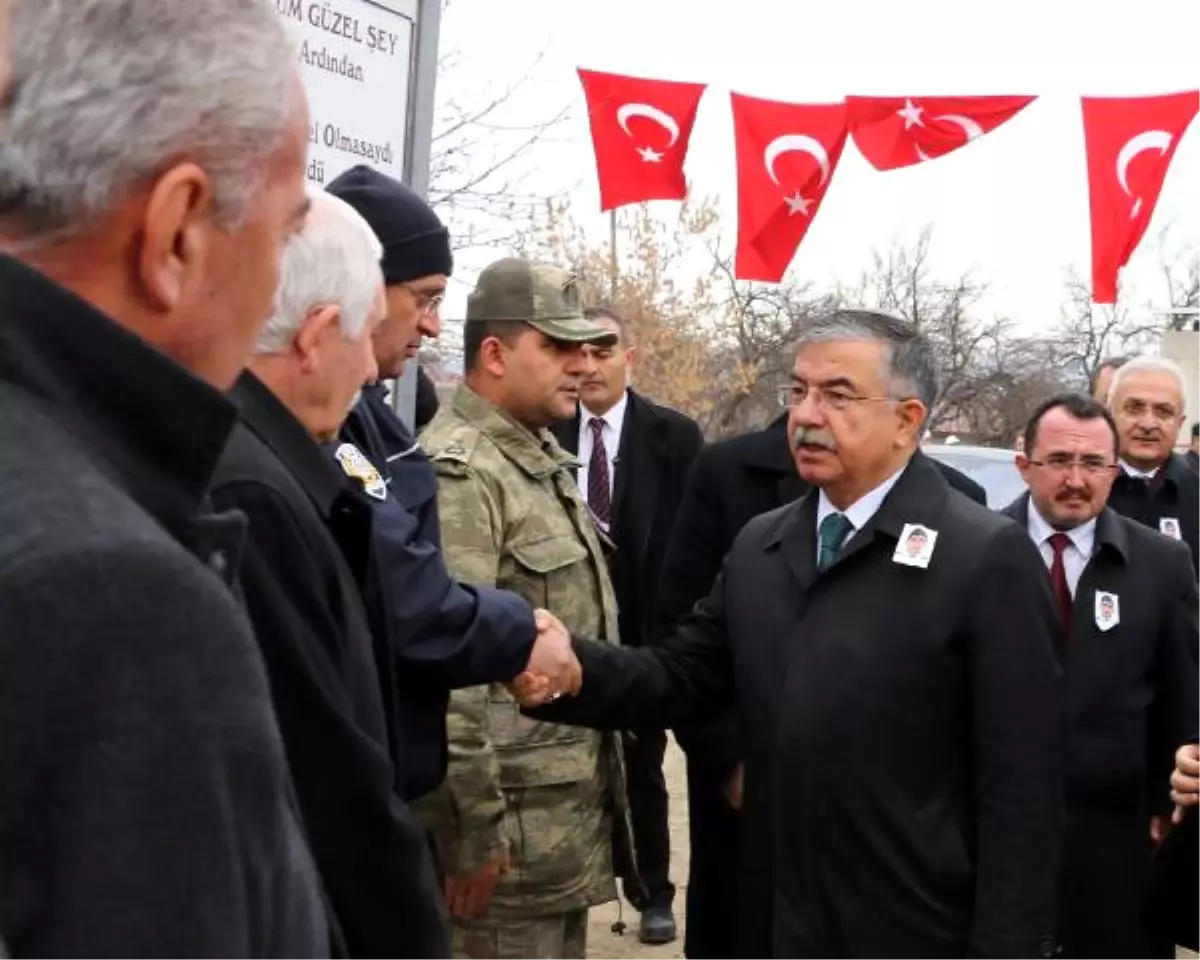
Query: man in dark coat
pixel 1155 486
pixel 145 806
pixel 634 458
pixel 1128 598
pixel 1173 902
pixel 731 482
pixel 439 634
pixel 903 766
pixel 313 356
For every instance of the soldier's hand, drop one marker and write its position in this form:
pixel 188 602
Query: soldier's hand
pixel 552 658
pixel 1185 779
pixel 469 895
pixel 733 787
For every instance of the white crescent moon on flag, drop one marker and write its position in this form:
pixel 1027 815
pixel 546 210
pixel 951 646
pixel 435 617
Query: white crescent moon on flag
pixel 969 127
pixel 795 143
pixel 629 110
pixel 1158 140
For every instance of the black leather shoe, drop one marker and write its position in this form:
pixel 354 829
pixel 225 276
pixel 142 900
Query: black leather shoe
pixel 657 926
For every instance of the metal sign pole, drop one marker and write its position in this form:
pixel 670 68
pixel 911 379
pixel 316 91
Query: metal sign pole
pixel 417 155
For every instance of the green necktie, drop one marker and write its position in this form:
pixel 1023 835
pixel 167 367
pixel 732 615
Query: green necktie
pixel 834 530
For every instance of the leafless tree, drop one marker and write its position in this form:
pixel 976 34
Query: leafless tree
pixel 484 133
pixel 1088 332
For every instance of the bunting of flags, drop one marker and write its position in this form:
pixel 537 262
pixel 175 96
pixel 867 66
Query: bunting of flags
pixel 787 154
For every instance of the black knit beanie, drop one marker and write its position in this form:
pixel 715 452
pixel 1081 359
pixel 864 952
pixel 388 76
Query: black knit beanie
pixel 415 244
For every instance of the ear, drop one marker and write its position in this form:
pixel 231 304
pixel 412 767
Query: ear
pixel 912 415
pixel 319 326
pixel 177 232
pixel 493 356
pixel 630 356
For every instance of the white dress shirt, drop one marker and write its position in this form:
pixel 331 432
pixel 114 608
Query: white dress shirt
pixel 614 423
pixel 859 512
pixel 1138 473
pixel 1076 556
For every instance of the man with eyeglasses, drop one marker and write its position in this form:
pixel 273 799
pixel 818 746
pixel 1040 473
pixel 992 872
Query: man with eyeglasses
pixel 1154 485
pixel 432 634
pixel 1127 601
pixel 903 757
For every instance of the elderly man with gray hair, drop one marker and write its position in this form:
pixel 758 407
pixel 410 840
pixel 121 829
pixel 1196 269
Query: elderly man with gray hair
pixel 313 357
pixel 1154 485
pixel 902 787
pixel 151 169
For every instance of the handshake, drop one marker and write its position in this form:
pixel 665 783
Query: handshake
pixel 553 668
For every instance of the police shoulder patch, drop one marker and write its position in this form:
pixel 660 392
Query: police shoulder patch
pixel 356 466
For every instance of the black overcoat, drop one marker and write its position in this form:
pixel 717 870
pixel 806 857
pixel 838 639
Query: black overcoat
pixel 904 756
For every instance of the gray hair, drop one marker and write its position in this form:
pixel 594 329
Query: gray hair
pixel 1149 365
pixel 333 261
pixel 908 363
pixel 106 92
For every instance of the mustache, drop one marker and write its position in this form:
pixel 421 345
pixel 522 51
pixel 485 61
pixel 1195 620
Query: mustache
pixel 813 436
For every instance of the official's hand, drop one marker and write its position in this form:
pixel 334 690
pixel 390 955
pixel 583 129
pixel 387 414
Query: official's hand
pixel 1185 779
pixel 531 691
pixel 733 787
pixel 469 895
pixel 552 657
pixel 1160 826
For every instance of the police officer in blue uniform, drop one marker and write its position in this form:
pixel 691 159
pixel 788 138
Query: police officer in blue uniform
pixel 432 634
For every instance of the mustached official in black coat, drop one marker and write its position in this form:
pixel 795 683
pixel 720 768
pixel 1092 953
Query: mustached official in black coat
pixel 889 648
pixel 731 482
pixel 1128 601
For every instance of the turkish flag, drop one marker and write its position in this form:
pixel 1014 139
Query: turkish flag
pixel 1130 143
pixel 894 132
pixel 786 156
pixel 640 133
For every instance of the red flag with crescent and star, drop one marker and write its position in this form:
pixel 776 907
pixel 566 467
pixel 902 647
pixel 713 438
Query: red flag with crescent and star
pixel 893 132
pixel 640 133
pixel 1130 143
pixel 786 156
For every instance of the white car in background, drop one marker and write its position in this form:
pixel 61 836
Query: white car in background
pixel 991 468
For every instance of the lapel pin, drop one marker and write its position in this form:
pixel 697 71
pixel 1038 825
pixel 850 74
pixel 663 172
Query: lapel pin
pixel 1108 610
pixel 915 546
pixel 1169 527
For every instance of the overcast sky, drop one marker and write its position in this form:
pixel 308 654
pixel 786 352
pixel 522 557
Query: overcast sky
pixel 1013 205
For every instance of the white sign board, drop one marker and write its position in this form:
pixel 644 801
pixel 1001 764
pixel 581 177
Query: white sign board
pixel 356 57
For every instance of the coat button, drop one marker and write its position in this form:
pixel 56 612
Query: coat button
pixel 217 562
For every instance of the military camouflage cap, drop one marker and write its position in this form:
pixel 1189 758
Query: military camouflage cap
pixel 544 297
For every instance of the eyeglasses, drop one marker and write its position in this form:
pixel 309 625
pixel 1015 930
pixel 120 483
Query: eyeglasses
pixel 426 302
pixel 1064 464
pixel 1163 412
pixel 836 398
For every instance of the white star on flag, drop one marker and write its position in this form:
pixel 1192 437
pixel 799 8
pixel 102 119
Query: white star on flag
pixel 797 204
pixel 650 155
pixel 911 115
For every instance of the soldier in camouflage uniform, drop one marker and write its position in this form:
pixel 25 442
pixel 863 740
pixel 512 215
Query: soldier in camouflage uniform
pixel 532 814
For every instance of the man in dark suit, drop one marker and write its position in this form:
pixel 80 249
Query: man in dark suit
pixel 1128 599
pixel 1154 486
pixel 634 458
pixel 731 482
pixel 903 757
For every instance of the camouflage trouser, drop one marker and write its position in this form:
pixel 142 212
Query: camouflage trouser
pixel 559 935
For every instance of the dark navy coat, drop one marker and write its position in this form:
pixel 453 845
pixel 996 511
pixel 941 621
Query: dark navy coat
pixel 435 633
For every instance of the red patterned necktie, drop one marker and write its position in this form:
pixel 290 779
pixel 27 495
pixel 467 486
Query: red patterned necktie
pixel 599 492
pixel 1058 580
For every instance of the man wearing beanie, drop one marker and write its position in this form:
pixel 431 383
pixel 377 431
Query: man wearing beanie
pixel 439 634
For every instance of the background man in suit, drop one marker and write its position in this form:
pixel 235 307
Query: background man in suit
pixel 1128 602
pixel 634 456
pixel 730 482
pixel 1154 485
pixel 903 755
